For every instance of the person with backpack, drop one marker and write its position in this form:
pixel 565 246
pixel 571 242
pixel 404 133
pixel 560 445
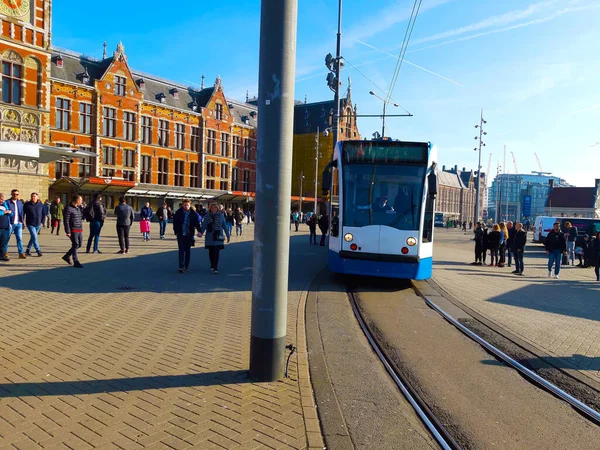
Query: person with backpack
pixel 145 216
pixel 94 213
pixel 73 222
pixel 556 247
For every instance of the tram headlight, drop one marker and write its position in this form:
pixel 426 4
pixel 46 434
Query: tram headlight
pixel 348 237
pixel 411 241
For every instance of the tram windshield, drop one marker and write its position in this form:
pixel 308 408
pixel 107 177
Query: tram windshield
pixel 376 194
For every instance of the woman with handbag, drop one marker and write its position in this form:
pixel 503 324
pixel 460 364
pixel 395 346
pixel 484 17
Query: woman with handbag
pixel 215 230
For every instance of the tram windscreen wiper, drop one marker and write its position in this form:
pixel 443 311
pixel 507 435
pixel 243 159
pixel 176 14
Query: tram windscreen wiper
pixel 411 208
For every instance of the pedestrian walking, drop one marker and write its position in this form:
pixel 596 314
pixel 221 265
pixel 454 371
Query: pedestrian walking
pixel 95 213
pixel 596 255
pixel 518 242
pixel 312 227
pixel 16 221
pixel 464 225
pixel 185 224
pixel 46 214
pixel 229 219
pixel 582 250
pixel 571 237
pixel 239 222
pixel 164 213
pixel 214 231
pixel 556 247
pixel 479 248
pixel 145 216
pixel 56 214
pixel 125 217
pixel 510 228
pixel 33 213
pixel 5 214
pixel 324 227
pixel 494 244
pixel 73 223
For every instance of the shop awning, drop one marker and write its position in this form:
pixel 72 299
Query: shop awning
pixel 28 151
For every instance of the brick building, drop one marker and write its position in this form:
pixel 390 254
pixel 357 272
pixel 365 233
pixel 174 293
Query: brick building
pixel 457 194
pixel 155 139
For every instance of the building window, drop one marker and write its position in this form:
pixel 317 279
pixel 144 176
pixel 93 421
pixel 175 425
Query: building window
pixel 194 181
pixel 63 114
pixel 85 166
pixel 246 182
pixel 108 156
pixel 247 149
pixel 61 169
pixel 110 173
pixel 120 85
pixel 224 185
pixel 225 144
pixel 146 169
pixel 210 169
pixel 211 142
pixel 179 171
pixel 85 118
pixel 11 83
pixel 128 158
pixel 129 175
pixel 210 184
pixel 236 147
pixel 163 171
pixel 163 133
pixel 180 136
pixel 224 171
pixel 235 179
pixel 218 111
pixel 109 122
pixel 129 129
pixel 147 130
pixel 195 140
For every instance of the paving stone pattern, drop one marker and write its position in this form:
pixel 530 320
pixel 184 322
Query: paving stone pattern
pixel 560 316
pixel 127 353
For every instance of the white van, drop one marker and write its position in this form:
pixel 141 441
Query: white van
pixel 542 226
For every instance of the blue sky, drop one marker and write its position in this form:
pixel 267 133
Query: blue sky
pixel 532 65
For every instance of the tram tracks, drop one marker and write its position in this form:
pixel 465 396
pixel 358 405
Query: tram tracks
pixel 441 433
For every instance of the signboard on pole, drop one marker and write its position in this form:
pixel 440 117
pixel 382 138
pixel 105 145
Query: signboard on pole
pixel 527 205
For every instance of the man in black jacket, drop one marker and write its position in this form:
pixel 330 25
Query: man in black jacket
pixel 518 242
pixel 556 246
pixel 479 248
pixel 324 227
pixel 125 216
pixel 73 223
pixel 98 212
pixel 33 213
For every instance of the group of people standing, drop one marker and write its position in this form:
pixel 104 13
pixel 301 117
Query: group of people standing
pixel 508 241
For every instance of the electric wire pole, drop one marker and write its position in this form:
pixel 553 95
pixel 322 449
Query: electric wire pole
pixel 478 185
pixel 278 22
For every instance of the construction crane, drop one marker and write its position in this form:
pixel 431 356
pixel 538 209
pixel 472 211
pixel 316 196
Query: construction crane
pixel 487 173
pixel 539 163
pixel 515 162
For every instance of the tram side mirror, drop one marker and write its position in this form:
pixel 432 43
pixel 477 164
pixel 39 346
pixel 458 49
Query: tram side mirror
pixel 432 185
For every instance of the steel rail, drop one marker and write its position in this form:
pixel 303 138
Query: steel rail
pixel 435 427
pixel 590 413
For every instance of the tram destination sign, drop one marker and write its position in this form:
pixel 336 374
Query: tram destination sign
pixel 389 152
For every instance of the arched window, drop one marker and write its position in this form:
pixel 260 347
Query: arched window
pixel 12 74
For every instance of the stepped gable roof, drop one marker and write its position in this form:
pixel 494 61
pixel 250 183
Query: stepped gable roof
pixel 572 197
pixel 449 179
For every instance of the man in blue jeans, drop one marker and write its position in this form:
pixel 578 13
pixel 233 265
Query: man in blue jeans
pixel 163 213
pixel 96 223
pixel 33 212
pixel 16 221
pixel 556 246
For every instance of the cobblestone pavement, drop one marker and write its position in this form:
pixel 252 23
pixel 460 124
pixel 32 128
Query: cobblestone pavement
pixel 127 353
pixel 559 316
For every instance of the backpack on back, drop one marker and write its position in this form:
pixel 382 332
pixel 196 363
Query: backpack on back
pixel 89 213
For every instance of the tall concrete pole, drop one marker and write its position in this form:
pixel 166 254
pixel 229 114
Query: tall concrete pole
pixel 338 61
pixel 316 168
pixel 278 21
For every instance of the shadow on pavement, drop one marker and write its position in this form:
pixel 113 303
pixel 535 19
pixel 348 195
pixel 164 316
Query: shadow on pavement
pixel 44 389
pixel 581 362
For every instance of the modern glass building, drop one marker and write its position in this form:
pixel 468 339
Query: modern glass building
pixel 520 196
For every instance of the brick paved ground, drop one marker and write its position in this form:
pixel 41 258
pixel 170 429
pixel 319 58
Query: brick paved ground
pixel 127 353
pixel 561 317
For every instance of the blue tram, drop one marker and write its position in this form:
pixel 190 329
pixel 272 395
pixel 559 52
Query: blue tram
pixel 382 195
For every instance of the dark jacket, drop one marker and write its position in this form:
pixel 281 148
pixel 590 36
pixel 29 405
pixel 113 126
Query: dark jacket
pixel 511 236
pixel 555 241
pixel 178 219
pixel 45 211
pixel 518 241
pixel 34 213
pixel 4 218
pixel 229 218
pixel 146 213
pixel 239 217
pixel 56 210
pixel 324 224
pixel 159 213
pixel 99 211
pixel 11 206
pixel 72 218
pixel 479 234
pixel 571 234
pixel 494 239
pixel 124 214
pixel 312 223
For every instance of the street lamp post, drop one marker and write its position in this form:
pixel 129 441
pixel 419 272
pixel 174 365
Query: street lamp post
pixel 385 103
pixel 478 185
pixel 301 178
pixel 316 168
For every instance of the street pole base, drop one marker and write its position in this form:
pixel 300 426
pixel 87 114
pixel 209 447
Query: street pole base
pixel 267 357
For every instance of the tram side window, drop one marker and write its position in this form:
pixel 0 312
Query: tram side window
pixel 428 222
pixel 335 205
